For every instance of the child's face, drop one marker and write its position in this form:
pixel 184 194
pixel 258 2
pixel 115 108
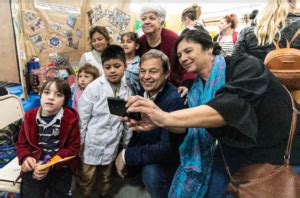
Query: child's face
pixel 51 100
pixel 114 70
pixel 99 42
pixel 84 79
pixel 129 45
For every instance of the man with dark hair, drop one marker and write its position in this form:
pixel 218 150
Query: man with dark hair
pixel 101 131
pixel 154 153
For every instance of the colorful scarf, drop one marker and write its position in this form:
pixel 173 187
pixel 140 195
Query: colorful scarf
pixel 196 151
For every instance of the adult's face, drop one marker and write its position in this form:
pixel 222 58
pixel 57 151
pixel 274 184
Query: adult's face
pixel 186 21
pixel 152 75
pixel 224 25
pixel 192 57
pixel 150 23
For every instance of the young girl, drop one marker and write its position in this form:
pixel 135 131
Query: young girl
pixel 99 38
pixel 130 43
pixel 86 74
pixel 228 34
pixel 51 129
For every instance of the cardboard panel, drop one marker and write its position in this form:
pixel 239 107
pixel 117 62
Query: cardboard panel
pixel 8 58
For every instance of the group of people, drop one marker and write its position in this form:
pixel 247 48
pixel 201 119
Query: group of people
pixel 232 99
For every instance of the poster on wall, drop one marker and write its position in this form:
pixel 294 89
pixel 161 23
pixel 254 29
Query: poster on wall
pixel 53 26
pixel 114 15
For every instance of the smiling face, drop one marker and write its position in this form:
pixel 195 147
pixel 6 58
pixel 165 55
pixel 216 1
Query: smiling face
pixel 51 100
pixel 98 41
pixel 84 79
pixel 151 23
pixel 152 75
pixel 114 70
pixel 129 45
pixel 192 57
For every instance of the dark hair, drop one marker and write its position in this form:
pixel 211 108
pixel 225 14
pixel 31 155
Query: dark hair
pixel 113 52
pixel 197 36
pixel 157 54
pixel 253 14
pixel 101 30
pixel 192 12
pixel 132 36
pixel 89 69
pixel 61 85
pixel 232 18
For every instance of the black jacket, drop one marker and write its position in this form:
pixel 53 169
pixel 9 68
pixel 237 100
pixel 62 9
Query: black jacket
pixel 257 112
pixel 247 41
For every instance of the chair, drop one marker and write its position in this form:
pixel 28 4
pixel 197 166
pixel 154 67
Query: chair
pixel 11 110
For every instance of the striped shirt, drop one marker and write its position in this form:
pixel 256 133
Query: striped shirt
pixel 48 134
pixel 227 45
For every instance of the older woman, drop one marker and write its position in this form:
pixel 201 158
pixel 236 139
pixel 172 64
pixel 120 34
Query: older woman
pixel 157 37
pixel 249 113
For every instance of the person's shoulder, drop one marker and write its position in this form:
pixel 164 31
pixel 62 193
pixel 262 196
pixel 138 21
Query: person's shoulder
pixel 291 18
pixel 247 30
pixel 245 63
pixel 143 38
pixel 86 54
pixel 93 89
pixel 244 59
pixel 31 113
pixel 171 90
pixel 70 114
pixel 97 82
pixel 169 33
pixel 169 95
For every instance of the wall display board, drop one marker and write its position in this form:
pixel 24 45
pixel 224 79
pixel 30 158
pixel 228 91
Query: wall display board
pixel 58 30
pixel 9 64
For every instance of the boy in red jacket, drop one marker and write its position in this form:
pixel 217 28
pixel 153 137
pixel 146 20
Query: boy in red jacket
pixel 51 129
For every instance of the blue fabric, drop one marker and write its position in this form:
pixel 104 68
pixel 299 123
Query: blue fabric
pixel 196 151
pixel 156 146
pixel 132 75
pixel 157 179
pixel 297 169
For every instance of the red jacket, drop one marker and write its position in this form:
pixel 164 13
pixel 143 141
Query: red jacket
pixel 167 46
pixel 69 138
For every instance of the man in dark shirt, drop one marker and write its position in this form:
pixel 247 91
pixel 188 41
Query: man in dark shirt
pixel 155 153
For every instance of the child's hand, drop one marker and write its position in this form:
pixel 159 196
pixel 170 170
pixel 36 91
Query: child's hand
pixel 120 165
pixel 40 174
pixel 28 164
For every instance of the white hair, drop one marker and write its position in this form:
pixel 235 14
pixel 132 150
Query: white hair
pixel 156 9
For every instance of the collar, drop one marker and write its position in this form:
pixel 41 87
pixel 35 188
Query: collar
pixel 136 59
pixel 147 96
pixel 57 117
pixel 103 80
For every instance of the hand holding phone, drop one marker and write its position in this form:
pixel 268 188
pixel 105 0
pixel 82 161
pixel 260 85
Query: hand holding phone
pixel 117 106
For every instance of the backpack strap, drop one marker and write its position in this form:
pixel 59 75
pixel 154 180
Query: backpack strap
pixel 290 138
pixel 295 36
pixel 276 44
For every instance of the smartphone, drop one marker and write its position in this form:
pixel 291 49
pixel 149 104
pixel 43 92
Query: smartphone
pixel 117 106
